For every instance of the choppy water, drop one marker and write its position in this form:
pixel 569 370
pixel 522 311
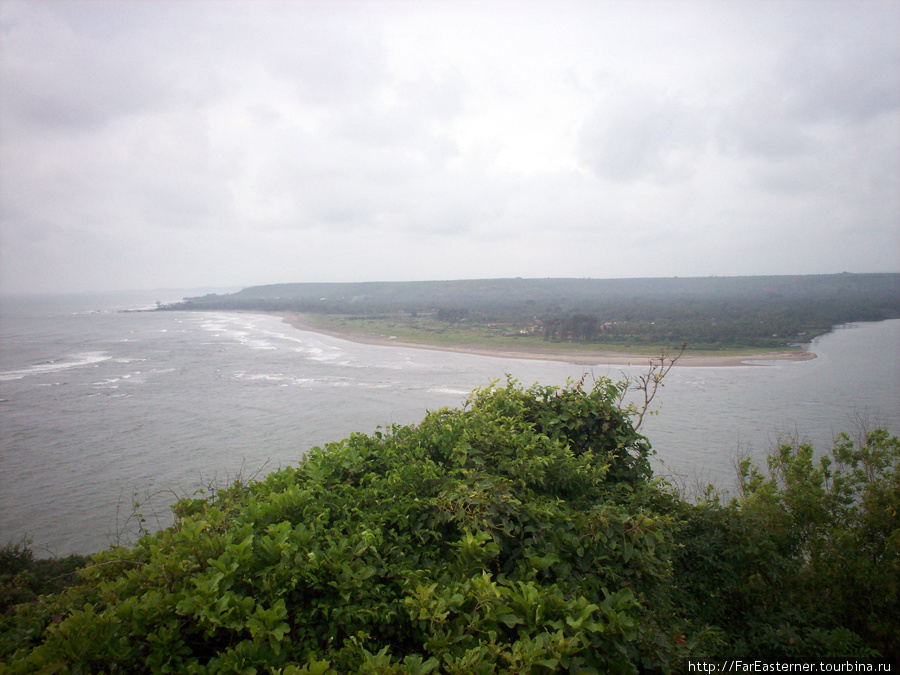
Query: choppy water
pixel 96 404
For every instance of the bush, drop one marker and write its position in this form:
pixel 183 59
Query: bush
pixel 23 580
pixel 523 533
pixel 805 563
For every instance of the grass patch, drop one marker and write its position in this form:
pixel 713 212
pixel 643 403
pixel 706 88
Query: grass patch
pixel 428 330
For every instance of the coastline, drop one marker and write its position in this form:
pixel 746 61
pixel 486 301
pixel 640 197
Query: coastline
pixel 586 358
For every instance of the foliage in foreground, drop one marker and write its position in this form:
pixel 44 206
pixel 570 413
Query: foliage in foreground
pixel 523 533
pixel 23 578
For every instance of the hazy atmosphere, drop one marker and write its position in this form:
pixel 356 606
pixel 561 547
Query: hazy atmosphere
pixel 184 144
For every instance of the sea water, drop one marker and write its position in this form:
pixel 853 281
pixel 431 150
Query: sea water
pixel 99 406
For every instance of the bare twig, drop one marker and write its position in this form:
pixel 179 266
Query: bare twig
pixel 649 383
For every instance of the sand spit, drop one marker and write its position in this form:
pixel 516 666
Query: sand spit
pixel 587 358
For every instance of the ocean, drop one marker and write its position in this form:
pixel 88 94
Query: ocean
pixel 99 406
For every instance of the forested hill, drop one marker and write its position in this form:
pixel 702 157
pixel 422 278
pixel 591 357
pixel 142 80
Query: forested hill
pixel 708 311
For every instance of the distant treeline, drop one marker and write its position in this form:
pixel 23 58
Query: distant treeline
pixel 705 312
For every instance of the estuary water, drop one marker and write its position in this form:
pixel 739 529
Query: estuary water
pixel 97 405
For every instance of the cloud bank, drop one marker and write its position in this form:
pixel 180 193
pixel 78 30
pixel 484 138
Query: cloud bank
pixel 176 144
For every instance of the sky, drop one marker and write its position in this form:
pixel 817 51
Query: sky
pixel 202 143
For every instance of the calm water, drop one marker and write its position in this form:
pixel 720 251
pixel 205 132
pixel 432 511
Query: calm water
pixel 96 404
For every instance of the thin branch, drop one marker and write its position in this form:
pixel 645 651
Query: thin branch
pixel 650 383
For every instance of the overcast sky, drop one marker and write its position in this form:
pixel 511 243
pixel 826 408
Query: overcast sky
pixel 198 143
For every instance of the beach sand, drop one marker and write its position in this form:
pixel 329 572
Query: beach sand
pixel 587 358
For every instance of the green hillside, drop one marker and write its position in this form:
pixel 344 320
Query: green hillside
pixel 706 313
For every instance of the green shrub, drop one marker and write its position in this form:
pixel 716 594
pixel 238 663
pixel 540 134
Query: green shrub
pixel 23 579
pixel 523 533
pixel 805 563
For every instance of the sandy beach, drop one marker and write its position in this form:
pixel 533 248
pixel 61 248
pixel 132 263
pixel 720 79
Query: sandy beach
pixel 587 358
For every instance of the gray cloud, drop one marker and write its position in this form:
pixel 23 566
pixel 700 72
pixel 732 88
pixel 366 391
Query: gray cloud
pixel 195 143
pixel 642 135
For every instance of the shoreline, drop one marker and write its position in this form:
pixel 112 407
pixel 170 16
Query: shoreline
pixel 584 358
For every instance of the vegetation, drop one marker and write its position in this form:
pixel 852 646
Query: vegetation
pixel 24 578
pixel 712 313
pixel 523 533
